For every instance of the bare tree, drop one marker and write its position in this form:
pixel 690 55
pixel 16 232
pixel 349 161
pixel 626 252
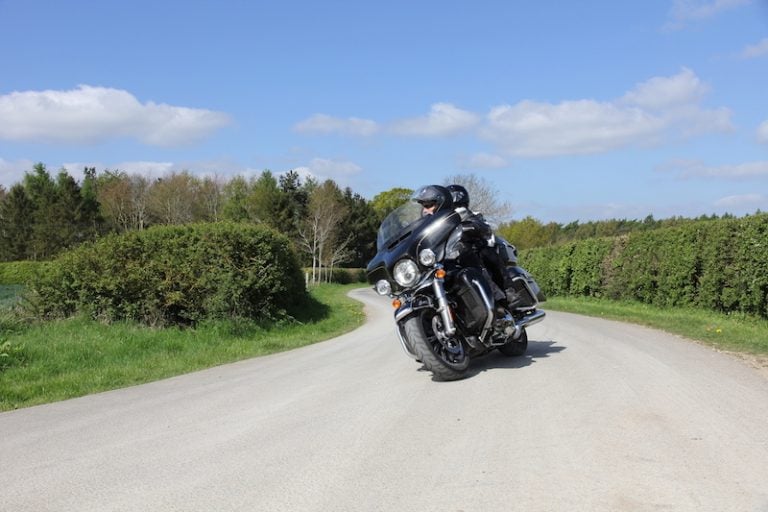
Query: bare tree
pixel 211 198
pixel 320 231
pixel 172 199
pixel 123 200
pixel 483 197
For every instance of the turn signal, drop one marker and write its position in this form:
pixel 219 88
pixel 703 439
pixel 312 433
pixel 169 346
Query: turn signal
pixel 440 273
pixel 396 303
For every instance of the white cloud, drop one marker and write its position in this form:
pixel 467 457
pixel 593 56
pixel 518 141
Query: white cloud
pixel 697 169
pixel 756 50
pixel 443 119
pixel 325 124
pixel 89 115
pixel 571 127
pixel 744 201
pixel 664 92
pixel 324 168
pixel 652 111
pixel 484 161
pixel 762 132
pixel 684 11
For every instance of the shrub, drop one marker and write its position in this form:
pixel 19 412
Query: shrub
pixel 19 272
pixel 174 275
pixel 722 265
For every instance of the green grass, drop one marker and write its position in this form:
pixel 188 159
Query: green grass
pixel 732 332
pixel 50 361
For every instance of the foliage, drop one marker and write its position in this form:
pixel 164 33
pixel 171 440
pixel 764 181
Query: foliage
pixel 344 275
pixel 529 232
pixel 718 264
pixel 176 275
pixel 385 202
pixel 19 272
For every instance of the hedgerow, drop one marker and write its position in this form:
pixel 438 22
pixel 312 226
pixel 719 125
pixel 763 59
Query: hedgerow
pixel 721 265
pixel 19 272
pixel 173 275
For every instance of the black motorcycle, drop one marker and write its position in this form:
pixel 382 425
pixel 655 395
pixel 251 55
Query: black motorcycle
pixel 445 311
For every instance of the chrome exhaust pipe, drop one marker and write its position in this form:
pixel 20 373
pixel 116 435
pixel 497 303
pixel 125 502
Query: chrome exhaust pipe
pixel 528 320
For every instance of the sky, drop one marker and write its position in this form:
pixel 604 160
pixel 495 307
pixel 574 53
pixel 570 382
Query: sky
pixel 570 111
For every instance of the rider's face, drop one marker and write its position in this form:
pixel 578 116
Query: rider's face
pixel 428 208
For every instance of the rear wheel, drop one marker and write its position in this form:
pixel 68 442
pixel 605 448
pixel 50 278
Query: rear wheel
pixel 444 356
pixel 514 348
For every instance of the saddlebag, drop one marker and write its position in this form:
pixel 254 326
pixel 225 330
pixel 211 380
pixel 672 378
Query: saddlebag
pixel 523 292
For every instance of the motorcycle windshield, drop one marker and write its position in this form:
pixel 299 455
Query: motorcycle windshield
pixel 398 223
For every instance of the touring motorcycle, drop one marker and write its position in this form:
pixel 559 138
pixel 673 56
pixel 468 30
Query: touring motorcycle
pixel 445 313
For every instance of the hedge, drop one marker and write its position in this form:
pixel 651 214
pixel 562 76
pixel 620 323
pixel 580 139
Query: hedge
pixel 19 272
pixel 173 275
pixel 721 265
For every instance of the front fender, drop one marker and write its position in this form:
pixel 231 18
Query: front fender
pixel 409 306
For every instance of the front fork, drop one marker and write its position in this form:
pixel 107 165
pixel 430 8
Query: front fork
pixel 449 328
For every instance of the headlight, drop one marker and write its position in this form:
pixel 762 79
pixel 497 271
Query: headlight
pixel 406 273
pixel 383 287
pixel 427 257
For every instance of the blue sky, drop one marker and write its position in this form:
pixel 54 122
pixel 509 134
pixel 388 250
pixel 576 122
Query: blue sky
pixel 569 110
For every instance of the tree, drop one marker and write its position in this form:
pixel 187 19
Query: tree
pixel 526 233
pixel 483 197
pixel 16 212
pixel 172 199
pixel 211 200
pixel 293 203
pixel 90 219
pixel 235 193
pixel 321 232
pixel 41 190
pixel 123 199
pixel 385 202
pixel 263 200
pixel 67 229
pixel 361 222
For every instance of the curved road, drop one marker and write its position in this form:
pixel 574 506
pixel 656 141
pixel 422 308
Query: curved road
pixel 598 416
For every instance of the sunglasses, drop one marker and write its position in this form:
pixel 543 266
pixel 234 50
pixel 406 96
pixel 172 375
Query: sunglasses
pixel 428 204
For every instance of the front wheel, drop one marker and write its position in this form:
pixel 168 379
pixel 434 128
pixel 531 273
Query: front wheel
pixel 517 347
pixel 444 356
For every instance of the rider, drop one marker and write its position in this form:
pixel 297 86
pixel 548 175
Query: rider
pixel 433 198
pixel 476 233
pixel 488 253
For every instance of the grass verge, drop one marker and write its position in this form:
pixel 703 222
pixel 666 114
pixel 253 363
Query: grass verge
pixel 51 361
pixel 729 332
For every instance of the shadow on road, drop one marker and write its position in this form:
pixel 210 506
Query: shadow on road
pixel 536 350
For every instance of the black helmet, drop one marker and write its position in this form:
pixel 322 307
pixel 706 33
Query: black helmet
pixel 460 195
pixel 433 195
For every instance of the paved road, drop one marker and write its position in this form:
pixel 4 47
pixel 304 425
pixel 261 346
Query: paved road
pixel 599 416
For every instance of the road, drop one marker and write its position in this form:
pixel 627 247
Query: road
pixel 598 416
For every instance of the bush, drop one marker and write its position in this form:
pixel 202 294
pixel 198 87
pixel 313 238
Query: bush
pixel 174 275
pixel 722 265
pixel 19 272
pixel 340 275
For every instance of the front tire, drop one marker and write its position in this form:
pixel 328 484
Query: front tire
pixel 444 357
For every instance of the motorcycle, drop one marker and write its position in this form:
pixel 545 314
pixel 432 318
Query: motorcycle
pixel 445 311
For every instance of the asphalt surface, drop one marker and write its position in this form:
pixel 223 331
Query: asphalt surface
pixel 598 416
